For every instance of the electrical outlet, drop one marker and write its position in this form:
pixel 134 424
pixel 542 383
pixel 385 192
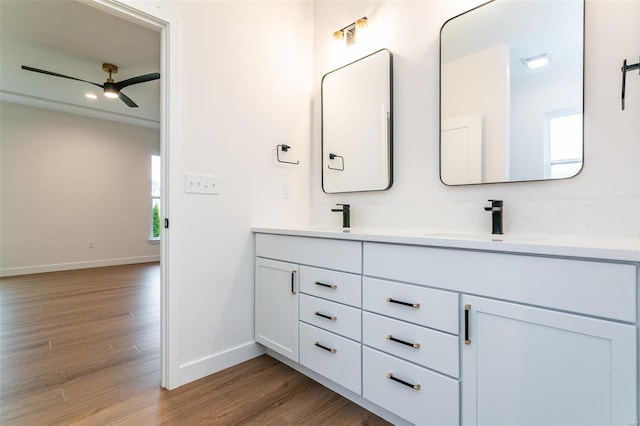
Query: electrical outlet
pixel 285 191
pixel 201 184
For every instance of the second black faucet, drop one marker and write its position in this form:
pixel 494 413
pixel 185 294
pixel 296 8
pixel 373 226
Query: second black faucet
pixel 496 216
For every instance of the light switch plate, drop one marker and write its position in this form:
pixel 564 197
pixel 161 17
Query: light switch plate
pixel 201 184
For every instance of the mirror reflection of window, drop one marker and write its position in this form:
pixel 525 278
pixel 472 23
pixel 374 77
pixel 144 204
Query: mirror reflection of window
pixel 564 144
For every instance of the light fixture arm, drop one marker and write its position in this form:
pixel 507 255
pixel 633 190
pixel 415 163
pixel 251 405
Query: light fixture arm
pixel 624 70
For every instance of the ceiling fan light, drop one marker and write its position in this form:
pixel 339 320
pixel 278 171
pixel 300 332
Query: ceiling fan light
pixel 110 91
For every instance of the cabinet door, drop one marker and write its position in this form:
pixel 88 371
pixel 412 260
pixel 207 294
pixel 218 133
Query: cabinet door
pixel 277 306
pixel 531 366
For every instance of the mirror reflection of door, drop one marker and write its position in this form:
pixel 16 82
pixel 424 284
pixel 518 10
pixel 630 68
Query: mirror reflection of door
pixel 461 149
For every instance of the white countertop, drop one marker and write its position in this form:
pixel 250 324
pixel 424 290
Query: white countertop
pixel 619 249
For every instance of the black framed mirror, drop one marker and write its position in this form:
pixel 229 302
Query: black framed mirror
pixel 511 92
pixel 357 125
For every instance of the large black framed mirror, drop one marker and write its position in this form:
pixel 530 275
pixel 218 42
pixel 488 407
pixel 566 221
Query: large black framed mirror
pixel 511 92
pixel 357 125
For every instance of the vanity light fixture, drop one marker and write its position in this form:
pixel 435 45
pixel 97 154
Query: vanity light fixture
pixel 537 61
pixel 90 96
pixel 348 33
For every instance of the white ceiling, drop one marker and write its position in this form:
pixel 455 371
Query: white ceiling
pixel 74 39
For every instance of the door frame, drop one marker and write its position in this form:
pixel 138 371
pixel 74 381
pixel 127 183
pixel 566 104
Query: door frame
pixel 153 16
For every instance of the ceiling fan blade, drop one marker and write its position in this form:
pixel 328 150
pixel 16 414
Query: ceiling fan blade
pixel 127 100
pixel 137 80
pixel 55 74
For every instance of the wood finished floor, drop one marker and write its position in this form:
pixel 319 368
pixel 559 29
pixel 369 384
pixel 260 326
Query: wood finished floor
pixel 83 347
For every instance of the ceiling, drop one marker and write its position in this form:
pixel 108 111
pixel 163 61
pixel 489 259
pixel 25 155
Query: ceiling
pixel 74 39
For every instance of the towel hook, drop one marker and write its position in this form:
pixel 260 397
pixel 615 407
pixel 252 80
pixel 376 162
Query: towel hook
pixel 333 156
pixel 284 148
pixel 624 70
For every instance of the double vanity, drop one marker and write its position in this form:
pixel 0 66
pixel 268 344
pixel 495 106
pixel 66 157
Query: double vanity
pixel 444 329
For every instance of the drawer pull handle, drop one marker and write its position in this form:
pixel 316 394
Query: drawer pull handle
pixel 293 280
pixel 467 308
pixel 329 317
pixel 395 379
pixel 333 351
pixel 400 302
pixel 413 345
pixel 334 286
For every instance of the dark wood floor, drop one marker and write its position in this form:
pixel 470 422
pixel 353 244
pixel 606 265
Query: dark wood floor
pixel 82 347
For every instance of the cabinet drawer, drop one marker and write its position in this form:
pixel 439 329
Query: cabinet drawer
pixel 337 286
pixel 433 349
pixel 333 254
pixel 420 305
pixel 332 356
pixel 331 316
pixel 436 402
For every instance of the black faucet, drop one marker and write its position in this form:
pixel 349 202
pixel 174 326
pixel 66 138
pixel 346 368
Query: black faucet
pixel 496 216
pixel 346 215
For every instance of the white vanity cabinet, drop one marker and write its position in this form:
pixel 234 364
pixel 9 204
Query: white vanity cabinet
pixel 276 306
pixel 526 365
pixel 559 348
pixel 321 327
pixel 433 335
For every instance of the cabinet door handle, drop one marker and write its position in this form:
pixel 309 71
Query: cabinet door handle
pixel 293 281
pixel 413 345
pixel 400 302
pixel 329 317
pixel 333 351
pixel 395 379
pixel 326 285
pixel 467 308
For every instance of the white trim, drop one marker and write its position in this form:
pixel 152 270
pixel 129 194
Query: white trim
pixel 38 269
pixel 200 368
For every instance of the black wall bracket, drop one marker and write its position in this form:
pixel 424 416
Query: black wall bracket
pixel 624 70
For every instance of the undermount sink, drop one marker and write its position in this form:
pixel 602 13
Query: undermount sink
pixel 476 236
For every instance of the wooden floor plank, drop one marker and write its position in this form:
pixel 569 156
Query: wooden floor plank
pixel 83 347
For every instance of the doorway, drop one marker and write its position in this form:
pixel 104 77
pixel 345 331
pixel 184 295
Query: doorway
pixel 151 18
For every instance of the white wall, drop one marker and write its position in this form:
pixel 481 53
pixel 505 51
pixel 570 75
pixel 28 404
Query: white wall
pixel 67 180
pixel 242 76
pixel 603 200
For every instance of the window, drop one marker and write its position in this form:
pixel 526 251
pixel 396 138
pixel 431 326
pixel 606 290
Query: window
pixel 564 144
pixel 155 196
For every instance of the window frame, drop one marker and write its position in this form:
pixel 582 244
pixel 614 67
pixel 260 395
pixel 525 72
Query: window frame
pixel 548 162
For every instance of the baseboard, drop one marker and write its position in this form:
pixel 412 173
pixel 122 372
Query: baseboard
pixel 211 364
pixel 38 269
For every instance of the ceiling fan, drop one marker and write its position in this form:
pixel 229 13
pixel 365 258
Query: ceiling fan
pixel 110 87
